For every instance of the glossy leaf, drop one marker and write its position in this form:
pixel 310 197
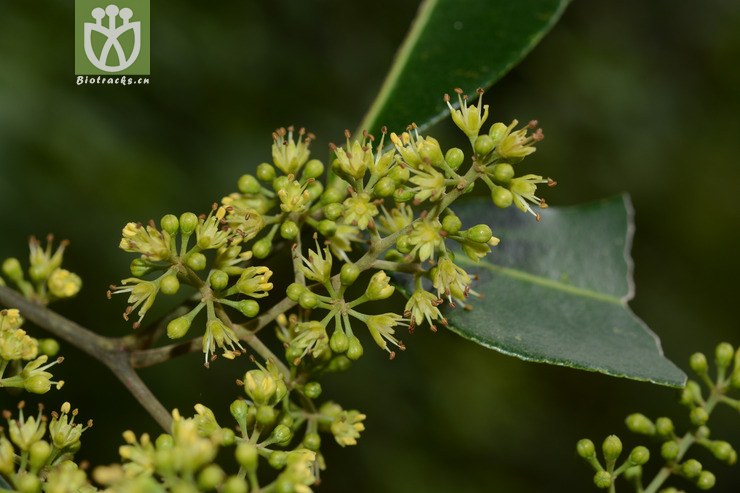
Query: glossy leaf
pixel 457 43
pixel 556 291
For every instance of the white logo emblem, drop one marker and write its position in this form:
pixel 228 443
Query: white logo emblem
pixel 111 32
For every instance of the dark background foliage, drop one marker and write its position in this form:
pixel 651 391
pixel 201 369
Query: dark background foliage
pixel 634 96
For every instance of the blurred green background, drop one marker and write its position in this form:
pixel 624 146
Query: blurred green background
pixel 634 96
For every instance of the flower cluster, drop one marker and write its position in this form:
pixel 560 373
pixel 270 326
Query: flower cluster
pixel 673 446
pixel 47 280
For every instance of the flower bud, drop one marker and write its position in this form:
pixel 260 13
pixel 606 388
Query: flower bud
pixel 265 415
pixel 349 274
pixel 698 363
pixel 312 390
pixel 379 287
pixel 249 308
pixel 263 247
pixel 170 224
pixel 664 427
pixel 497 132
pixel 333 211
pixel 38 383
pixel 308 299
pixel 169 284
pixel 602 479
pixel 312 441
pixel 339 342
pixel 480 233
pixel 333 195
pixel 178 327
pixel 210 477
pixel 400 174
pixel 139 267
pixel 483 145
pixel 294 291
pixel 691 394
pixel 248 184
pixel 289 230
pixel 670 450
pixel 691 468
pixel 724 354
pixel 354 348
pixel 7 456
pixel 235 484
pixel 265 172
pixel 278 459
pixel 188 223
pixel 247 456
pixel 385 187
pixel 503 172
pixel 585 448
pixel 196 261
pixel 39 453
pixel 280 183
pixel 723 451
pixel 27 483
pixel 327 227
pixel 454 157
pixel 611 448
pixel 49 347
pixel 451 223
pixel 403 244
pixel 281 434
pixel 639 423
pixel 12 268
pixel 639 455
pixel 501 197
pixel 706 480
pixel 403 194
pixel 699 416
pixel 260 386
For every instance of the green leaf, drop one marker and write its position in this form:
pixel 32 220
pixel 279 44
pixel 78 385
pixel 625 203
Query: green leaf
pixel 457 43
pixel 556 291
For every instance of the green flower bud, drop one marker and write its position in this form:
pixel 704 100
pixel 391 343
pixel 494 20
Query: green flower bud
pixel 313 169
pixel 250 308
pixel 723 451
pixel 248 184
pixel 400 174
pixel 483 145
pixel 308 299
pixel 706 480
pixel 178 327
pixel 278 459
pixel 49 347
pixel 454 157
pixel 691 468
pixel 314 190
pixel 170 224
pixel 262 248
pixel 339 342
pixel 312 441
pixel 699 416
pixel 164 442
pixel 379 287
pixel 188 223
pixel 12 268
pixel 239 410
pixel 39 453
pixel 602 479
pixel 691 394
pixel 698 363
pixel 735 377
pixel 385 187
pixel 702 432
pixel 327 227
pixel 639 455
pixel 669 450
pixel 139 267
pixel 611 448
pixel 280 183
pixel 196 261
pixel 333 195
pixel 497 132
pixel 664 427
pixel 247 456
pixel 451 223
pixel 403 244
pixel 210 477
pixel 724 354
pixel 7 456
pixel 403 194
pixel 633 474
pixel 281 434
pixel 289 230
pixel 339 363
pixel 333 211
pixel 218 279
pixel 639 423
pixel 480 233
pixel 38 383
pixel 312 390
pixel 585 448
pixel 27 483
pixel 265 172
pixel 294 291
pixel 235 484
pixel 501 197
pixel 349 274
pixel 169 284
pixel 354 348
pixel 226 436
pixel 503 172
pixel 265 415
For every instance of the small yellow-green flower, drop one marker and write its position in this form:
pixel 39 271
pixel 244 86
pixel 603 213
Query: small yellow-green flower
pixel 347 426
pixel 290 154
pixel 360 210
pixel 471 118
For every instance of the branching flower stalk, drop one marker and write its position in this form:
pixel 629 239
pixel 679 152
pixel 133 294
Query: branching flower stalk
pixel 383 212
